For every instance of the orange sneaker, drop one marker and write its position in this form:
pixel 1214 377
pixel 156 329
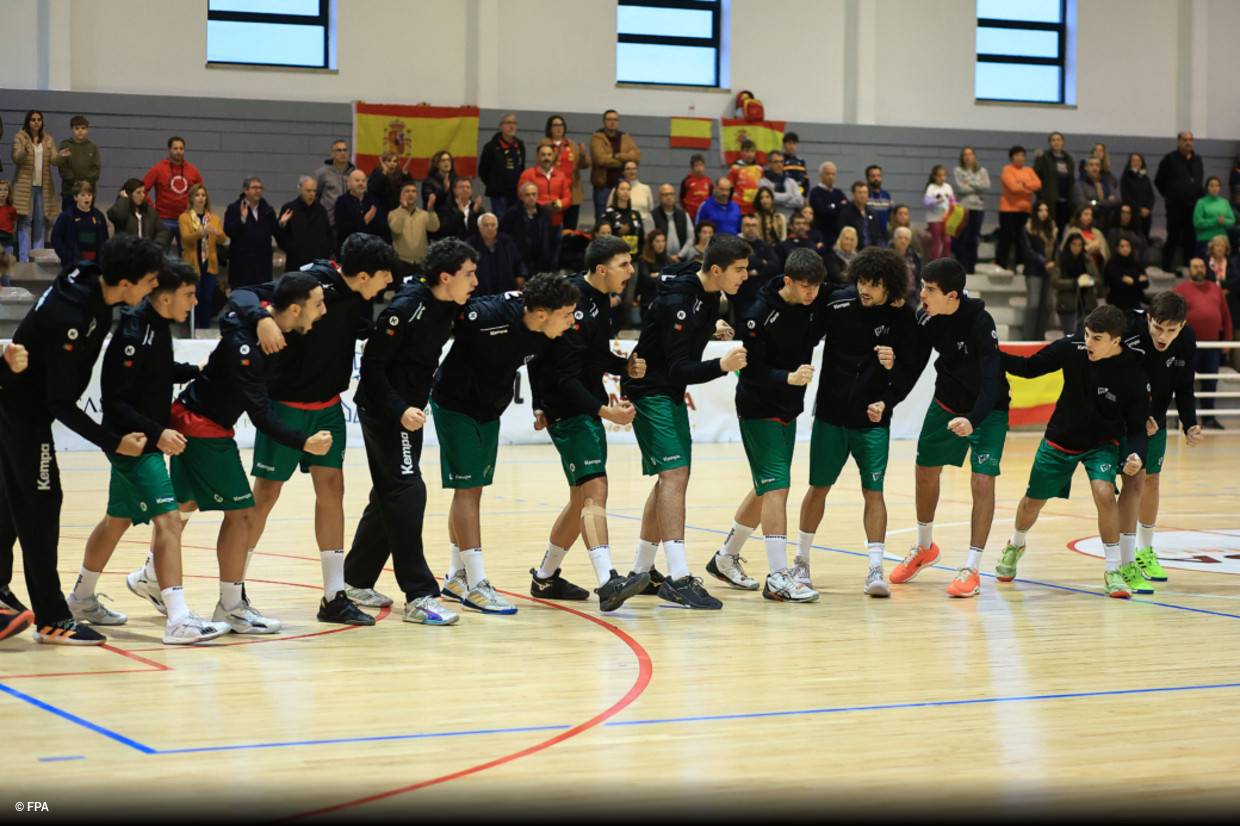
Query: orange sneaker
pixel 918 558
pixel 966 584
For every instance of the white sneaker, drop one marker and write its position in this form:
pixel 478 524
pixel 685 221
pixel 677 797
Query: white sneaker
pixel 874 584
pixel 781 587
pixel 146 588
pixel 483 597
pixel 800 571
pixel 89 610
pixel 194 629
pixel 727 568
pixel 428 611
pixel 245 620
pixel 455 587
pixel 367 597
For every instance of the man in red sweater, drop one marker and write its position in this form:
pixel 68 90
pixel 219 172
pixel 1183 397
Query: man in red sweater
pixel 168 183
pixel 555 192
pixel 1211 321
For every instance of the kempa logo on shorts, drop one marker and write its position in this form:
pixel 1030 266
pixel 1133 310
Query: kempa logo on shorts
pixel 589 462
pixel 406 455
pixel 670 458
pixel 242 498
pixel 261 466
pixel 166 500
pixel 45 466
pixel 767 480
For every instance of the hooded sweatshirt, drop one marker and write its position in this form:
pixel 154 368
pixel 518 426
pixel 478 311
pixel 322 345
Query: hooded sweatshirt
pixel 969 378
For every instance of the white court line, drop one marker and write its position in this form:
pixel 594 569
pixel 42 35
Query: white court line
pixel 938 525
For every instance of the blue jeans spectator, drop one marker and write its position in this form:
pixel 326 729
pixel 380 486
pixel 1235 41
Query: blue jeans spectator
pixel 32 228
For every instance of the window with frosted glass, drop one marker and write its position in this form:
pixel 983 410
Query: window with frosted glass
pixel 671 42
pixel 1022 49
pixel 295 33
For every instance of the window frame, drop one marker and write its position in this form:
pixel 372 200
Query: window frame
pixel 717 41
pixel 1066 41
pixel 326 19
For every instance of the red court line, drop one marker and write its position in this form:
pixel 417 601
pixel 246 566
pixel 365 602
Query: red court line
pixel 639 685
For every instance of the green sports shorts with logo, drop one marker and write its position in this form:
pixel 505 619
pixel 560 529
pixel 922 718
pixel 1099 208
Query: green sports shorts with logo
pixel 662 431
pixel 581 442
pixel 769 444
pixel 273 460
pixel 830 446
pixel 209 472
pixel 140 488
pixel 467 448
pixel 1051 474
pixel 938 446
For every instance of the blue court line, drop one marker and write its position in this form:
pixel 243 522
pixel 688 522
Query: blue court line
pixel 365 739
pixel 73 718
pixel 59 759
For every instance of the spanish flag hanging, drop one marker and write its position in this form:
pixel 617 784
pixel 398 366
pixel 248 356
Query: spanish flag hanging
pixel 1033 400
pixel 767 134
pixel 415 133
pixel 690 133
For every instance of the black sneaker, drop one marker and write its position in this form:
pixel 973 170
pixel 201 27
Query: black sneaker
pixel 556 587
pixel 651 590
pixel 688 591
pixel 342 610
pixel 613 592
pixel 68 632
pixel 7 600
pixel 14 622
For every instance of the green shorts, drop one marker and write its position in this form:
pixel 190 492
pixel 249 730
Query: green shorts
pixel 1154 453
pixel 1051 474
pixel 830 446
pixel 768 446
pixel 938 446
pixel 467 448
pixel 209 472
pixel 662 430
pixel 140 488
pixel 582 444
pixel 273 460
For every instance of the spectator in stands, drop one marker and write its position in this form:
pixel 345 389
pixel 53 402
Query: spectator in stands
pixel 501 163
pixel 1137 191
pixel 34 194
pixel 703 231
pixel 609 149
pixel 1212 215
pixel 554 193
pixel 801 235
pixel 1077 284
pixel 201 234
pixel 500 268
pixel 356 210
pixel 1226 273
pixel 1082 223
pixel 696 188
pixel 841 255
pixel 764 264
pixel 529 225
pixel 332 178
pixel 458 215
pixel 794 165
pixel 1093 191
pixel 384 185
pixel 827 202
pixel 673 222
pixel 81 161
pixel 787 190
pixel 878 202
pixel 902 216
pixel 938 199
pixel 902 242
pixel 132 214
pixel 625 221
pixel 79 233
pixel 1099 151
pixel 972 182
pixel 250 224
pixel 813 236
pixel 744 173
pixel 8 218
pixel 1019 183
pixel 569 157
pixel 440 178
pixel 1128 226
pixel 169 183
pixel 1180 180
pixel 639 193
pixel 1211 320
pixel 411 228
pixel 857 215
pixel 644 283
pixel 1057 172
pixel 1038 239
pixel 772 227
pixel 1126 278
pixel 303 230
pixel 721 210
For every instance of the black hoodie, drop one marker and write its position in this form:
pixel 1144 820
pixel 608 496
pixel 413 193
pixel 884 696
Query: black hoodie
pixel 969 378
pixel 1170 371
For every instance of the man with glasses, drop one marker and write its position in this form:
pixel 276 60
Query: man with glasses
pixel 332 178
pixel 501 163
pixel 776 178
pixel 249 223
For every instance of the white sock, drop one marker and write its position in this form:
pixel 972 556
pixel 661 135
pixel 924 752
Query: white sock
pixel 150 566
pixel 925 534
pixel 805 541
pixel 249 555
pixel 677 565
pixel 551 560
pixel 776 552
pixel 1127 548
pixel 333 572
pixel 474 572
pixel 737 537
pixel 86 582
pixel 455 565
pixel 600 558
pixel 646 551
pixel 975 558
pixel 230 594
pixel 875 550
pixel 174 601
pixel 1111 550
pixel 1018 538
pixel 1145 536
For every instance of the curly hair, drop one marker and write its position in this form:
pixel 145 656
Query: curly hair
pixel 880 265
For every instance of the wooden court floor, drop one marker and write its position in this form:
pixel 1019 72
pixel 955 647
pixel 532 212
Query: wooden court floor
pixel 1041 695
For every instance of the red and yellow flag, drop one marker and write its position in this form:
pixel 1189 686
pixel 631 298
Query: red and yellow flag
pixel 767 134
pixel 1033 400
pixel 415 133
pixel 690 133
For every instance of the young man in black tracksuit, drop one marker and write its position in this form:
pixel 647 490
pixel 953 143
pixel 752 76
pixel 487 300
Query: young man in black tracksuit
pixel 63 336
pixel 1105 401
pixel 857 392
pixel 570 403
pixel 969 414
pixel 494 335
pixel 398 367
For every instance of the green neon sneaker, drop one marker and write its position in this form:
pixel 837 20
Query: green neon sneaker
pixel 1005 569
pixel 1116 586
pixel 1135 579
pixel 1148 563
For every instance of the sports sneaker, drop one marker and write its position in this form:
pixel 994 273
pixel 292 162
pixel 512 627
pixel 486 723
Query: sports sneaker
pixel 483 597
pixel 688 591
pixel 90 610
pixel 968 583
pixel 367 597
pixel 428 611
pixel 9 602
pixel 341 610
pixel 245 620
pixel 731 572
pixel 68 632
pixel 800 571
pixel 148 589
pixel 1116 586
pixel 194 629
pixel 917 558
pixel 1135 579
pixel 454 587
pixel 782 587
pixel 656 581
pixel 874 584
pixel 14 622
pixel 613 592
pixel 1005 568
pixel 556 587
pixel 1147 561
